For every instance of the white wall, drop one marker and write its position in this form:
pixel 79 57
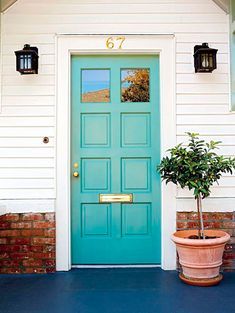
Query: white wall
pixel 27 166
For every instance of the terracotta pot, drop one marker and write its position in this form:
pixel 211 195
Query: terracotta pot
pixel 200 259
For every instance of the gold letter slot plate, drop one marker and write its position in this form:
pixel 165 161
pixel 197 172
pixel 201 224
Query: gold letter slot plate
pixel 116 197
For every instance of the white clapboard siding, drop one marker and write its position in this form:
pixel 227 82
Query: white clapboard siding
pixel 8 49
pixel 19 173
pixel 26 132
pixel 35 152
pixel 188 68
pixel 198 99
pixel 204 109
pixel 226 140
pixel 199 79
pixel 43 7
pixel 216 192
pixel 201 119
pixel 116 18
pixel 25 142
pixel 29 100
pixel 27 193
pixel 43 69
pixel 219 130
pixel 188 47
pixel 17 162
pixel 24 110
pixel 6 183
pixel 20 80
pixel 28 110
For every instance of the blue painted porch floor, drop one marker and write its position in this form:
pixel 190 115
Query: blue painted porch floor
pixel 113 291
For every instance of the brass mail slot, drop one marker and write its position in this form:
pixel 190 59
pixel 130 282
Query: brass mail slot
pixel 116 197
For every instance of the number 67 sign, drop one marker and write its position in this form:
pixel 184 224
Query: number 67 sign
pixel 115 42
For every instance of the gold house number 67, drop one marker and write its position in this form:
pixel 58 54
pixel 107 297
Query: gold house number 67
pixel 115 42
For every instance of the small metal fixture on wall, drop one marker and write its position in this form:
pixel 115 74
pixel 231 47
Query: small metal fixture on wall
pixel 27 60
pixel 204 58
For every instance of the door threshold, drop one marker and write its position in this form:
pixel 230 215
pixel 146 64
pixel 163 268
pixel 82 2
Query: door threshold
pixel 118 266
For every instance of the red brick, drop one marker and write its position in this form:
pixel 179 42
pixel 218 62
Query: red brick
pixel 182 215
pixel 228 256
pixel 44 224
pixel 10 217
pixel 49 255
pixel 32 263
pixel 48 248
pixel 21 225
pixel 181 225
pixel 10 248
pixel 216 225
pixel 43 241
pixel 28 270
pixel 206 216
pixel 50 217
pixel 50 269
pixel 4 255
pixel 229 225
pixel 193 216
pixel 4 225
pixel 36 248
pixel 39 270
pixel 20 241
pixel 49 263
pixel 9 233
pixel 7 270
pixel 33 217
pixel 222 216
pixel 193 225
pixel 9 263
pixel 19 255
pixel 49 232
pixel 3 241
pixel 32 232
pixel 25 248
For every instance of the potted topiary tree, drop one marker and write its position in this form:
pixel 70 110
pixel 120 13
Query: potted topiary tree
pixel 197 167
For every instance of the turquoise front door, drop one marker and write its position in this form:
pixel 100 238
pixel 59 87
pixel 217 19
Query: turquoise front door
pixel 115 148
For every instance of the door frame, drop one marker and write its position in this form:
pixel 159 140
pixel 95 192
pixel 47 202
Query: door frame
pixel 68 45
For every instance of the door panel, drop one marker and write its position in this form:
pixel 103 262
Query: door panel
pixel 115 147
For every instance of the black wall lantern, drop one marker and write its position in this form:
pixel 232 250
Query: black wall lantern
pixel 204 58
pixel 27 60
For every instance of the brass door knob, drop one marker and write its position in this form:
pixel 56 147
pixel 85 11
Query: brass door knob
pixel 75 174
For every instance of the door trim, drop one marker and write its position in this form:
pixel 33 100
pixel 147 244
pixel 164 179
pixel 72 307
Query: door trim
pixel 67 45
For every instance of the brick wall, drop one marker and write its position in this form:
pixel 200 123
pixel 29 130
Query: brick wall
pixel 27 243
pixel 213 220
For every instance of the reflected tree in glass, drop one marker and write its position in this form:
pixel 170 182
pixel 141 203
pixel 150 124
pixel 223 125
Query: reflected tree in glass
pixel 135 85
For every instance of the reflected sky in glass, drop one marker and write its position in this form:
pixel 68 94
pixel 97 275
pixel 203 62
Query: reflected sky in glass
pixel 95 85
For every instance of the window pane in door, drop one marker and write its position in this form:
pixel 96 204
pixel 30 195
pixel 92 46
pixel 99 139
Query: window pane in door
pixel 135 85
pixel 95 85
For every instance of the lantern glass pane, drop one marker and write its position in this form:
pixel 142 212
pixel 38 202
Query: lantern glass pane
pixel 29 62
pixel 211 60
pixel 21 62
pixel 204 60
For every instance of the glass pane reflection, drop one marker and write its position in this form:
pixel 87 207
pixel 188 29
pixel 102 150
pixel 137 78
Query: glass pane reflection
pixel 95 85
pixel 135 85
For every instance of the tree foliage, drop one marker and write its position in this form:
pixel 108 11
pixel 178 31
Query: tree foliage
pixel 138 86
pixel 195 166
